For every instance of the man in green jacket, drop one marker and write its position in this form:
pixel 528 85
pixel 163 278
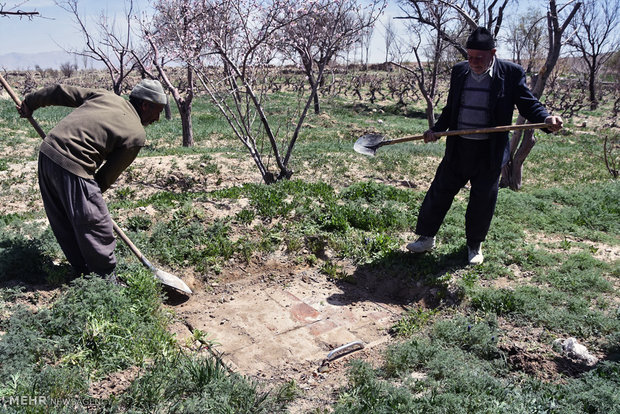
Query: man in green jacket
pixel 82 157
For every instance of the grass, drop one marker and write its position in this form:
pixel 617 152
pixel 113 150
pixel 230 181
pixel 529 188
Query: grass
pixel 470 385
pixel 91 330
pixel 200 385
pixel 545 270
pixel 460 357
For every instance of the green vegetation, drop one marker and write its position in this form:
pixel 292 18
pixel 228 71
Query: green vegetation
pixel 91 330
pixel 551 266
pixel 94 329
pixel 458 381
pixel 194 385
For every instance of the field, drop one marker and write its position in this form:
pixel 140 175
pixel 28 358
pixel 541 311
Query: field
pixel 283 274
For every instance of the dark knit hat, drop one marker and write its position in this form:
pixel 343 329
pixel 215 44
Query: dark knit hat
pixel 480 39
pixel 150 90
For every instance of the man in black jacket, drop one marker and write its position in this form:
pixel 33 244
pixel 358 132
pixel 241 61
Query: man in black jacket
pixel 483 93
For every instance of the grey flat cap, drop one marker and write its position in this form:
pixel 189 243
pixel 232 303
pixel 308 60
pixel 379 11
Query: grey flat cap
pixel 150 90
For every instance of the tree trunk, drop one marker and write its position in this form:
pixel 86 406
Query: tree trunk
pixel 512 172
pixel 430 111
pixel 317 104
pixel 117 85
pixel 185 106
pixel 185 111
pixel 592 90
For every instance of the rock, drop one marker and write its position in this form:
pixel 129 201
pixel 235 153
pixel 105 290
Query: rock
pixel 574 349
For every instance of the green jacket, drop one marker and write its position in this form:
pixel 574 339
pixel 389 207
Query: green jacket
pixel 104 127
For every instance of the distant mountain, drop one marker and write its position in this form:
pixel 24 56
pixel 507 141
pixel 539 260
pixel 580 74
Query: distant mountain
pixel 46 60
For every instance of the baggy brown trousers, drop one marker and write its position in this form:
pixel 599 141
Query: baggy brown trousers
pixel 79 218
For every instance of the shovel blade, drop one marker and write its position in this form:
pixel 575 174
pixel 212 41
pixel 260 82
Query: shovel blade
pixel 172 281
pixel 368 144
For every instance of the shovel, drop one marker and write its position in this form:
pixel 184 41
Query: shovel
pixel 164 277
pixel 369 144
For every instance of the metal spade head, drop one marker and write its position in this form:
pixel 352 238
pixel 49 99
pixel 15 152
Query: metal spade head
pixel 172 281
pixel 368 144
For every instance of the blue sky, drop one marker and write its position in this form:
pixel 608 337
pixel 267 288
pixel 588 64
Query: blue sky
pixel 55 30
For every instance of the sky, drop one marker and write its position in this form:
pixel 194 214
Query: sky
pixel 55 29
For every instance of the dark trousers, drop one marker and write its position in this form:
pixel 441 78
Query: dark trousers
pixel 469 162
pixel 79 218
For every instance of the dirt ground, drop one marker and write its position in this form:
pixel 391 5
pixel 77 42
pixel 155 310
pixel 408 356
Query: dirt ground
pixel 281 322
pixel 274 319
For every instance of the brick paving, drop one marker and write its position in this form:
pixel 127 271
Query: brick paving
pixel 271 328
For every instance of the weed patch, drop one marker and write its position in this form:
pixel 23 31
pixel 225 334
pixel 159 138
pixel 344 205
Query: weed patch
pixel 201 385
pixel 26 258
pixel 414 320
pixel 589 211
pixel 552 309
pixel 186 241
pixel 471 380
pixel 93 329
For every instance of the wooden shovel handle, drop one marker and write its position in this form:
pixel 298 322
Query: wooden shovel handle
pixel 488 130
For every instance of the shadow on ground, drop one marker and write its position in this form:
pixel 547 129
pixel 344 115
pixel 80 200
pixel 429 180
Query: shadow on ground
pixel 402 278
pixel 23 259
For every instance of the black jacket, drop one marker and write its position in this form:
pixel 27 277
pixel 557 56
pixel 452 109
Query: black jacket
pixel 508 88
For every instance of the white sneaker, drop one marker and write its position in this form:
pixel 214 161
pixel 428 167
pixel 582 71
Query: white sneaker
pixel 474 255
pixel 423 244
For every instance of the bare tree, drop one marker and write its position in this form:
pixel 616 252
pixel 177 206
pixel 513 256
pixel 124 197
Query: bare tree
pixel 488 14
pixel 107 44
pixel 389 38
pixel 365 40
pixel 332 27
pixel 428 47
pixel 67 69
pixel 175 35
pixel 526 38
pixel 522 142
pixel 596 38
pixel 15 11
pixel 461 17
pixel 235 40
